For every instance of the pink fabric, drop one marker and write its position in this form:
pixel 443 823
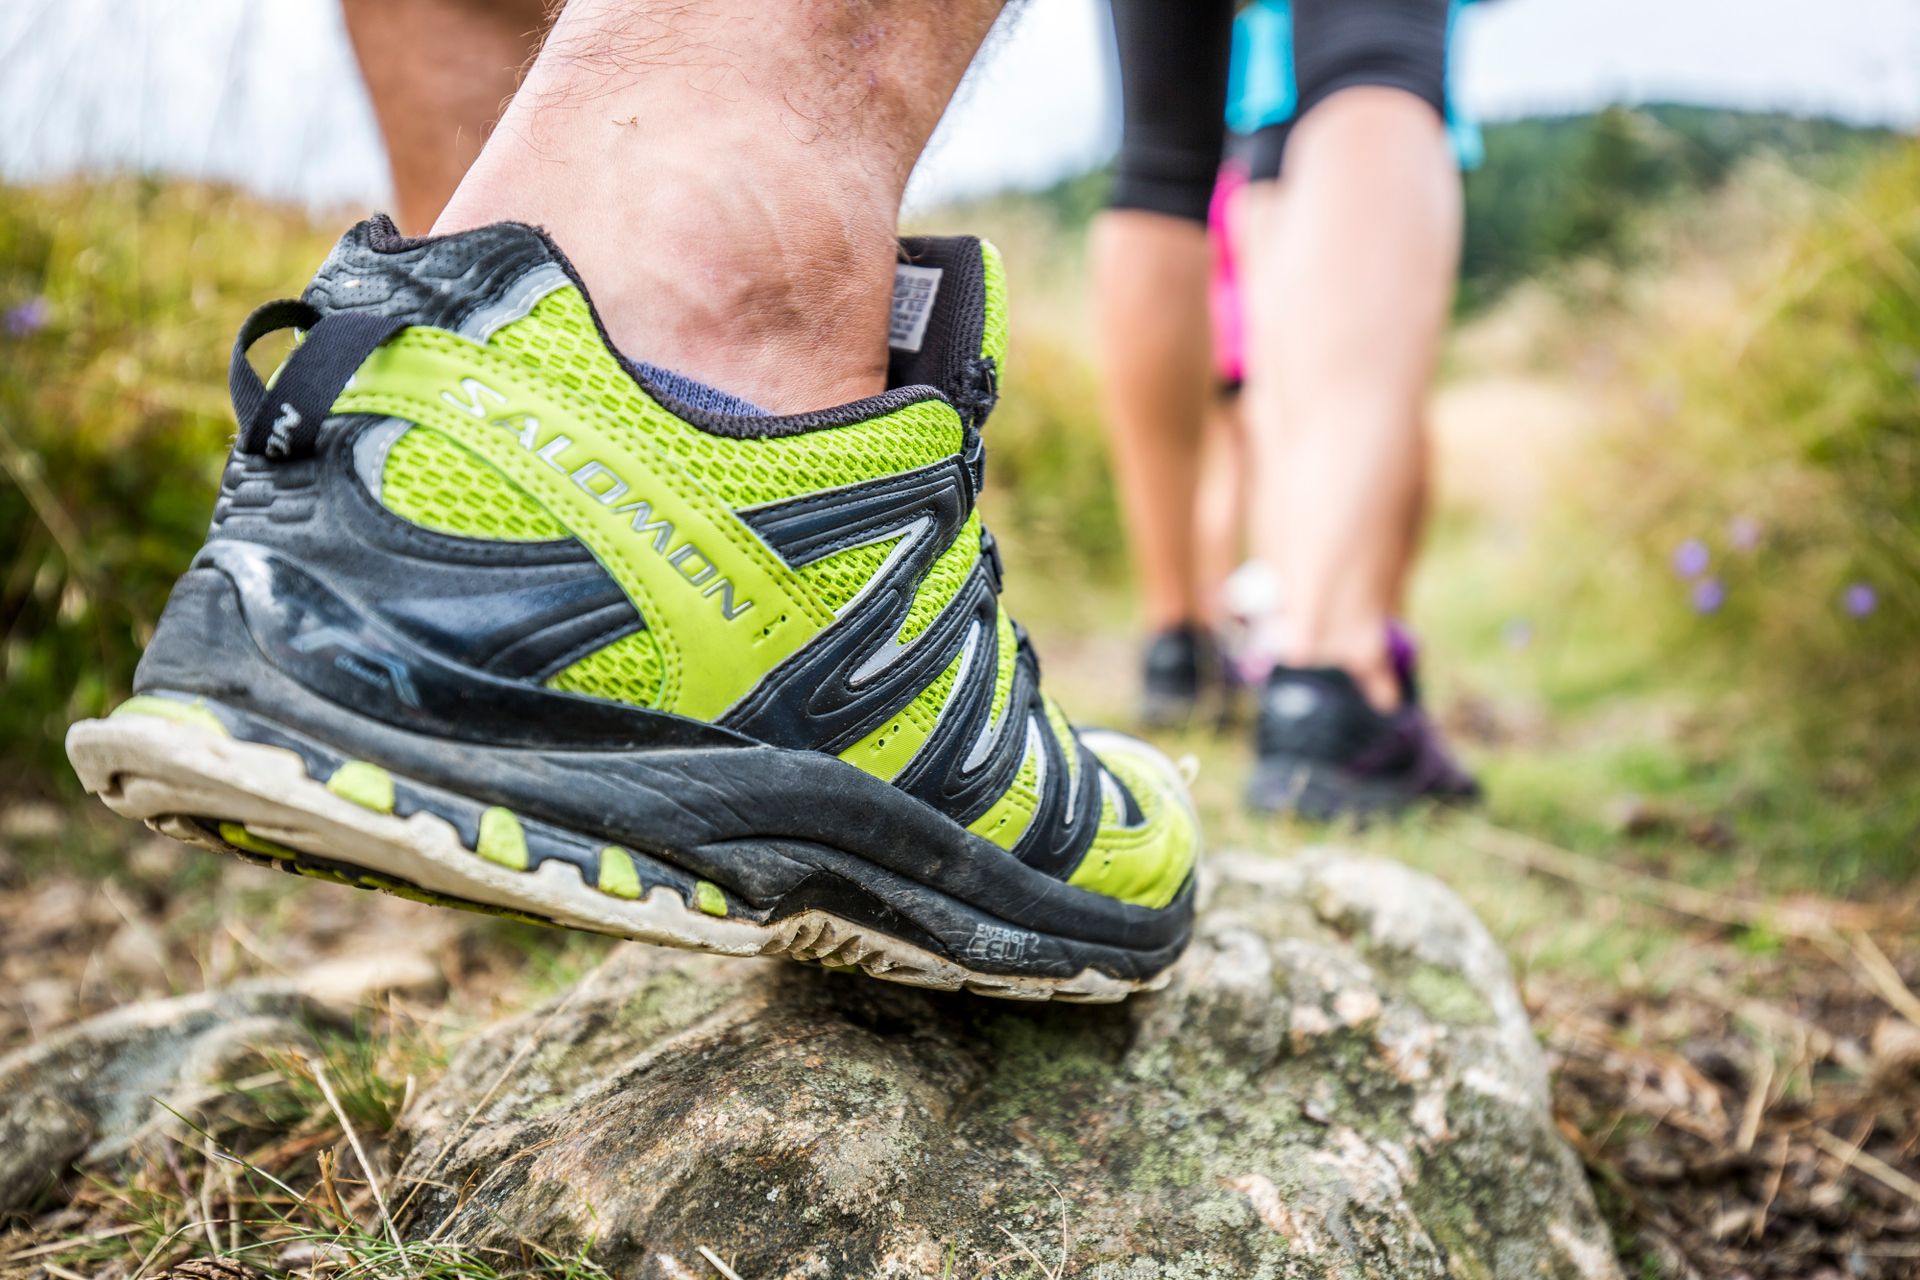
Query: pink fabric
pixel 1223 291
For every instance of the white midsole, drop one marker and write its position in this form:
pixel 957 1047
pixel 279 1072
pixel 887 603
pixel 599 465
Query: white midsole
pixel 163 772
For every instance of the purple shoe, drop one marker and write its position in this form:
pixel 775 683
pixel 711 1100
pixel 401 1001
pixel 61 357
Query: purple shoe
pixel 1325 752
pixel 1450 780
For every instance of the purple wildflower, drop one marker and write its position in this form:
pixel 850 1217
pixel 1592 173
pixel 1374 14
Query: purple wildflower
pixel 1518 633
pixel 1708 595
pixel 1691 558
pixel 27 319
pixel 1859 599
pixel 1743 533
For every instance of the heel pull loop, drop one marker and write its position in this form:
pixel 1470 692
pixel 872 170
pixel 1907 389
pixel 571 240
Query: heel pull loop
pixel 283 421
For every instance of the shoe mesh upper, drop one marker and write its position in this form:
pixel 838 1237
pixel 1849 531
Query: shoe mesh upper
pixel 559 337
pixel 627 670
pixel 438 484
pixel 838 578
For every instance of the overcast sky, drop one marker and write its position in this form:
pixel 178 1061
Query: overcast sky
pixel 264 91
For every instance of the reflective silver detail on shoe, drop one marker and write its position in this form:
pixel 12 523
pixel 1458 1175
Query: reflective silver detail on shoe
pixel 521 297
pixel 969 650
pixel 883 658
pixel 909 536
pixel 1037 749
pixel 989 736
pixel 1070 749
pixel 370 450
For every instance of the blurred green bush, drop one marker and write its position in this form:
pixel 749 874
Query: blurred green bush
pixel 118 303
pixel 1561 188
pixel 1771 490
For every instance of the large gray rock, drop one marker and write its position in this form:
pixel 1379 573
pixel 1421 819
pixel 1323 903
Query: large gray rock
pixel 1340 1080
pixel 89 1092
pixel 92 1090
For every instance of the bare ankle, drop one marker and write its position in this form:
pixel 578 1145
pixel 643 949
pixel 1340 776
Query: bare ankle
pixel 727 176
pixel 1361 652
pixel 1377 682
pixel 789 313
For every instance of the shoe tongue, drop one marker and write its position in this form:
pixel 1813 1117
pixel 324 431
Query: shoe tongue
pixel 949 326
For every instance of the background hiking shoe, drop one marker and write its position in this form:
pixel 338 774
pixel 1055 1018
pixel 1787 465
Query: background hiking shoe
pixel 491 616
pixel 1181 668
pixel 1325 752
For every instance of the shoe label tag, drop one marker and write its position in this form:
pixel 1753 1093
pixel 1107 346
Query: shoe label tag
pixel 913 290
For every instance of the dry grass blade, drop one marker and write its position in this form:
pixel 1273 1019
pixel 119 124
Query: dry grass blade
pixel 64 1246
pixel 1884 978
pixel 1775 1176
pixel 353 1140
pixel 1872 1166
pixel 1049 1273
pixel 1756 1106
pixel 159 1247
pixel 23 468
pixel 520 1055
pixel 1538 855
pixel 164 1243
pixel 205 1199
pixel 329 1190
pixel 713 1260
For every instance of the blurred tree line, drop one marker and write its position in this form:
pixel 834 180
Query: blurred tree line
pixel 1557 188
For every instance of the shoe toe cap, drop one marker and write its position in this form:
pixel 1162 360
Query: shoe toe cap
pixel 1143 853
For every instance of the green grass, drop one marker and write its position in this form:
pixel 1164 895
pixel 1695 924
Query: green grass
pixel 120 303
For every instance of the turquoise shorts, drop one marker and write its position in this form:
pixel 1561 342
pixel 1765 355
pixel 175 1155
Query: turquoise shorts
pixel 1289 55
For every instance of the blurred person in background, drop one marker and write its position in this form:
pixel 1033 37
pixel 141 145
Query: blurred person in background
pixel 1342 248
pixel 436 111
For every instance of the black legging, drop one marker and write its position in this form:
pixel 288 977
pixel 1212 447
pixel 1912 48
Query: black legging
pixel 1173 103
pixel 1174 56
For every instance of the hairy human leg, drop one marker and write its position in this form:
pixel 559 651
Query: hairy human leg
pixel 726 176
pixel 435 109
pixel 1353 279
pixel 558 635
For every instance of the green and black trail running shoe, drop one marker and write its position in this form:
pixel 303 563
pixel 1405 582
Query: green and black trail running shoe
pixel 493 617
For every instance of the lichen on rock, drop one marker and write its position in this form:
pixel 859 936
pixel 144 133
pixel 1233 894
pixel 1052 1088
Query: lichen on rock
pixel 1339 1081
